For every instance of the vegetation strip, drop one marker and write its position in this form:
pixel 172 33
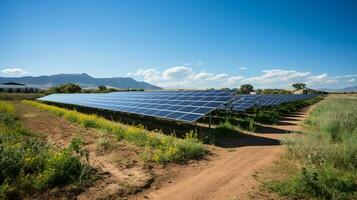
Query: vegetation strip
pixel 27 165
pixel 161 148
pixel 327 153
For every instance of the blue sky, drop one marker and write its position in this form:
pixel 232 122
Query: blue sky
pixel 185 44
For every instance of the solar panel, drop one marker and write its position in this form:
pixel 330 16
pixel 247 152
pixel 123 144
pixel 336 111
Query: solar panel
pixel 247 101
pixel 187 106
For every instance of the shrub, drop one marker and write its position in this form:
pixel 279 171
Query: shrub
pixel 251 125
pixel 7 114
pixel 88 121
pixel 104 144
pixel 226 129
pixel 61 168
pixel 247 123
pixel 266 116
pixel 322 183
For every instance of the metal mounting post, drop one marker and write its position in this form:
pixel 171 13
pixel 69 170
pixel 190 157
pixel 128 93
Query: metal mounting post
pixel 209 121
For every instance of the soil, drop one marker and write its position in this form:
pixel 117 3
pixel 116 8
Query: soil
pixel 231 171
pixel 227 173
pixel 120 171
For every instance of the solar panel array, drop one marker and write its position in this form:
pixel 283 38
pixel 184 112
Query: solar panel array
pixel 187 106
pixel 247 101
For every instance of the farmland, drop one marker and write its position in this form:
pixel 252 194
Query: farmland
pixel 113 160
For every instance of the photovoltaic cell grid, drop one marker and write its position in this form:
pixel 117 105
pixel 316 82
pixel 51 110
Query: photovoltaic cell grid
pixel 187 106
pixel 244 102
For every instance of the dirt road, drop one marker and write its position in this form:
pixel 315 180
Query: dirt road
pixel 229 172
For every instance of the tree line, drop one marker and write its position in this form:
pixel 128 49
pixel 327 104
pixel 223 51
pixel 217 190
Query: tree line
pixel 248 88
pixel 244 89
pixel 75 88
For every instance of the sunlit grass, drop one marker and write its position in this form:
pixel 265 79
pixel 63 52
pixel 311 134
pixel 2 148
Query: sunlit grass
pixel 28 165
pixel 162 148
pixel 327 152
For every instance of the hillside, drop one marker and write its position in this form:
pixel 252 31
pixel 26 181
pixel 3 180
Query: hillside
pixel 347 89
pixel 83 80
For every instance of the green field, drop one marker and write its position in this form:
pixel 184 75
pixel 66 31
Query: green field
pixel 326 153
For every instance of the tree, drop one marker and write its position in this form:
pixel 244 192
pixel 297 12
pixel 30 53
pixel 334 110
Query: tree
pixel 298 86
pixel 102 88
pixel 67 88
pixel 246 89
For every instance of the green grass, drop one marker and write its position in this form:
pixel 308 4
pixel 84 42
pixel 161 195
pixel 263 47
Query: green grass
pixel 27 165
pixel 227 129
pixel 327 151
pixel 161 148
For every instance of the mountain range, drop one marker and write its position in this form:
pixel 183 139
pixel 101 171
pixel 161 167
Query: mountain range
pixel 347 89
pixel 84 80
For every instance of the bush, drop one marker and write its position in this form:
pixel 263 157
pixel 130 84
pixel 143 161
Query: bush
pixel 226 129
pixel 164 148
pixel 322 183
pixel 247 123
pixel 104 144
pixel 267 116
pixel 66 88
pixel 28 165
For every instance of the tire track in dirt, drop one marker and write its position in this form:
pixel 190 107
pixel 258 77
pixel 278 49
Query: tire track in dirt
pixel 229 174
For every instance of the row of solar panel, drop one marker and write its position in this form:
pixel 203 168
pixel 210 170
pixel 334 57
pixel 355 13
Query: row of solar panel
pixel 165 105
pixel 150 97
pixel 147 102
pixel 244 102
pixel 188 114
pixel 191 93
pixel 172 105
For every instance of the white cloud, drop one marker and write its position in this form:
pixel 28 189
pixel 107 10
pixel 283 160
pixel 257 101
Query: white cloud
pixel 218 77
pixel 14 71
pixel 185 77
pixel 346 76
pixel 202 76
pixel 242 68
pixel 150 75
pixel 351 80
pixel 234 79
pixel 276 76
pixel 321 79
pixel 178 72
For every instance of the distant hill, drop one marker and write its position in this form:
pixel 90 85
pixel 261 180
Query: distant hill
pixel 84 80
pixel 347 89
